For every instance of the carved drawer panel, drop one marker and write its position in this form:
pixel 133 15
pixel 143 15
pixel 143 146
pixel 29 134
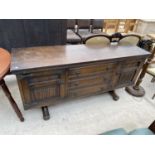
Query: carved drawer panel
pixel 95 89
pixel 91 69
pixel 132 64
pixel 101 79
pixel 82 82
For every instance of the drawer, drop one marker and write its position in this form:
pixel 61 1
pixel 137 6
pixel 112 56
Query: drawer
pixel 92 69
pixel 81 82
pixel 133 64
pixel 87 81
pixel 49 79
pixel 36 77
pixel 86 91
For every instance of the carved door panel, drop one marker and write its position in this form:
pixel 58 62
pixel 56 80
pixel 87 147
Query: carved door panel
pixel 41 88
pixel 129 70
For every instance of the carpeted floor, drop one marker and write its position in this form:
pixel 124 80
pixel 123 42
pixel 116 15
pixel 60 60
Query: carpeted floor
pixel 91 115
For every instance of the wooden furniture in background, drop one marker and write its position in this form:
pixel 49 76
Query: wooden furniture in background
pixel 130 25
pixel 120 25
pixel 5 60
pixel 53 74
pixel 111 25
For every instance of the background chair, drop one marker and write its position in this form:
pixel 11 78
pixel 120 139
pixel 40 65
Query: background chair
pixel 97 26
pixel 5 60
pixel 97 39
pixel 84 28
pixel 129 39
pixel 72 37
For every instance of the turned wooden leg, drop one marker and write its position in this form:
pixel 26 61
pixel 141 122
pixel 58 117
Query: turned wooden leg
pixel 12 101
pixel 114 95
pixel 138 90
pixel 46 115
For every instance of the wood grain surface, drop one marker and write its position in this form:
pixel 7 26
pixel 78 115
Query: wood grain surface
pixel 39 57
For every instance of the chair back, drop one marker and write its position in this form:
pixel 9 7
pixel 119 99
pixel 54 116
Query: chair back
pixel 98 40
pixel 97 24
pixel 84 24
pixel 71 23
pixel 129 39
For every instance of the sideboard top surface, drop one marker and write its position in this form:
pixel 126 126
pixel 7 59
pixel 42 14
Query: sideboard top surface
pixel 50 56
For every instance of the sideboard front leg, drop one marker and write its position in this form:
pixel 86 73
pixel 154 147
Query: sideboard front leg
pixel 114 95
pixel 46 115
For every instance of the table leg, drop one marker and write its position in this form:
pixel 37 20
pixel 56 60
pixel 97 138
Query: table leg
pixel 114 95
pixel 12 101
pixel 46 115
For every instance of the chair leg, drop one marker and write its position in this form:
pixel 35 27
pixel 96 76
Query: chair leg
pixel 12 101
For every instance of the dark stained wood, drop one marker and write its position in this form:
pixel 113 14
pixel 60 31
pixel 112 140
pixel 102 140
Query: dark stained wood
pixel 11 100
pixel 53 74
pixel 52 56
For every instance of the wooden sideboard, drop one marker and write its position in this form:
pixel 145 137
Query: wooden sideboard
pixel 50 74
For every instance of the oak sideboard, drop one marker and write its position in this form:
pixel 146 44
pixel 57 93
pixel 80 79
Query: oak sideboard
pixel 51 74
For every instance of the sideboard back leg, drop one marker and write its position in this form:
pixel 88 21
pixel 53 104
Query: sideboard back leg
pixel 114 95
pixel 46 115
pixel 12 101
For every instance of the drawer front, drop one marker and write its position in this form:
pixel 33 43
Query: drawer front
pixel 86 91
pixel 91 69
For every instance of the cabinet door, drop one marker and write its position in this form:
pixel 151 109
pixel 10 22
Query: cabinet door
pixel 41 88
pixel 129 71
